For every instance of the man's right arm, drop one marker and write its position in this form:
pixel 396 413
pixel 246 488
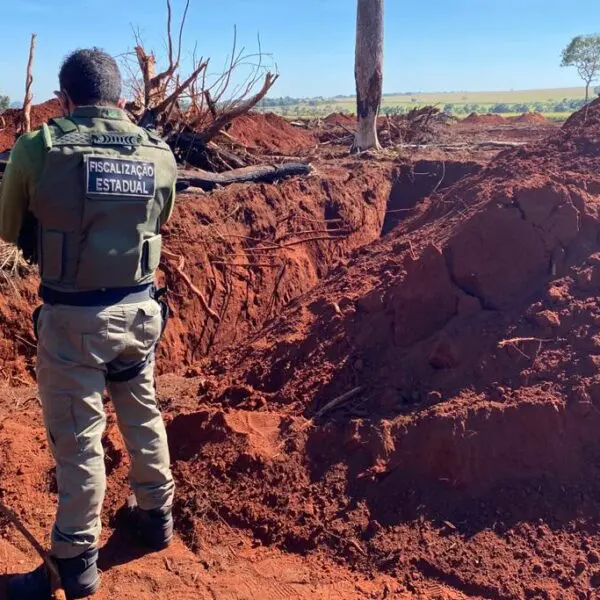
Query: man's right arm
pixel 14 195
pixel 20 180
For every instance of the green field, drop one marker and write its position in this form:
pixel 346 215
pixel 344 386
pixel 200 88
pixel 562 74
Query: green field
pixel 511 97
pixel 556 102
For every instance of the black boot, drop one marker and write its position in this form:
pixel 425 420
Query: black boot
pixel 79 577
pixel 154 528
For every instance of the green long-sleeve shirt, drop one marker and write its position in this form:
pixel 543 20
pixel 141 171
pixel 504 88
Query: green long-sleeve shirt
pixel 21 177
pixel 24 170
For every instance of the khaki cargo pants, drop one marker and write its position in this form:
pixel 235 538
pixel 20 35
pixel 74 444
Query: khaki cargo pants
pixel 76 347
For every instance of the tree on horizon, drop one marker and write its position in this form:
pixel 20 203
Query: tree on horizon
pixel 583 52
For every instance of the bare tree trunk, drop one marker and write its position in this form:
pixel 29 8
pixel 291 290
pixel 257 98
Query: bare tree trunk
pixel 28 82
pixel 368 72
pixel 587 91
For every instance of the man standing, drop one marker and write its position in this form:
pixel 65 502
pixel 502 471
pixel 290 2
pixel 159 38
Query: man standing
pixel 98 189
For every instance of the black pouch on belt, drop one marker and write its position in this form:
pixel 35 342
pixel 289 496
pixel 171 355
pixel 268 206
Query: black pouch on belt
pixel 35 317
pixel 160 295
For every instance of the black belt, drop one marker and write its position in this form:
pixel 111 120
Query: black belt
pixel 106 297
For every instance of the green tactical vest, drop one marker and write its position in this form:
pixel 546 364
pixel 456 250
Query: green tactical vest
pixel 99 201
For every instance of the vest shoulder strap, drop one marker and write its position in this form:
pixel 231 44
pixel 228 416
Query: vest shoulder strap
pixel 47 137
pixel 73 138
pixel 64 124
pixel 156 139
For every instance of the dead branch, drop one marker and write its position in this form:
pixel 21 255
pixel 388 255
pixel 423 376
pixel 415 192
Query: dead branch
pixel 28 83
pixel 259 173
pixel 147 63
pixel 275 290
pixel 337 401
pixel 156 85
pixel 304 241
pixel 172 98
pixel 439 183
pixel 211 105
pixel 513 341
pixel 246 265
pixel 179 268
pixel 190 112
pixel 56 584
pixel 238 110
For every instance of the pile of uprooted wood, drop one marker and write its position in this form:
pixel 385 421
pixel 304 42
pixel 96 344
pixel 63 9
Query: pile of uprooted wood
pixel 193 112
pixel 419 126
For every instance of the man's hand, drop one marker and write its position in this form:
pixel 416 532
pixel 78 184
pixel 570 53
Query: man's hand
pixel 28 238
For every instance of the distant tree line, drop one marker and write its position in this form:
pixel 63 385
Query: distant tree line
pixel 4 102
pixel 289 101
pixel 565 105
pixel 297 107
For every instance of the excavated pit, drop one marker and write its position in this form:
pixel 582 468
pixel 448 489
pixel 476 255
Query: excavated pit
pixel 250 250
pixel 247 249
pixel 430 408
pixel 421 406
pixel 419 180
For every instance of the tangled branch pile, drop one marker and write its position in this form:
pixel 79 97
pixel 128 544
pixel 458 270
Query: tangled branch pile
pixel 12 262
pixel 192 112
pixel 418 126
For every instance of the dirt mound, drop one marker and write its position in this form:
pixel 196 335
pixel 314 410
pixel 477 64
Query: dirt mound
pixel 530 118
pixel 587 118
pixel 439 393
pixel 484 119
pixel 270 133
pixel 341 120
pixel 480 251
pixel 10 119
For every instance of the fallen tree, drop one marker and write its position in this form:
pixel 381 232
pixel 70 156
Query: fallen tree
pixel 207 181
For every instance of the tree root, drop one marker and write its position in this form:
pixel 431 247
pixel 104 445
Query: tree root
pixel 179 268
pixel 57 590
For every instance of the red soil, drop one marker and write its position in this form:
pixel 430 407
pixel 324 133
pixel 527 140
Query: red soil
pixel 484 119
pixel 530 118
pixel 467 449
pixel 341 120
pixel 270 133
pixel 40 113
pixel 251 249
pixel 415 416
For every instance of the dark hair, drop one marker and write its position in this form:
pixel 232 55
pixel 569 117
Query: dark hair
pixel 91 77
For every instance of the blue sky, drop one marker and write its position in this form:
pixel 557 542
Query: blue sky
pixel 430 46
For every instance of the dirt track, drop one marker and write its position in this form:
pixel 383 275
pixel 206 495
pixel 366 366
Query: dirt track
pixel 461 459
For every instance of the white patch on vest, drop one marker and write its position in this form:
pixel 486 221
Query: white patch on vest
pixel 120 177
